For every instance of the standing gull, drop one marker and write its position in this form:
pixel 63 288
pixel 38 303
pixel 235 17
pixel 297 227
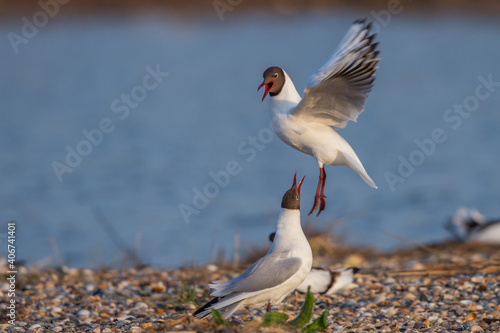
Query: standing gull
pixel 334 94
pixel 269 280
pixel 322 280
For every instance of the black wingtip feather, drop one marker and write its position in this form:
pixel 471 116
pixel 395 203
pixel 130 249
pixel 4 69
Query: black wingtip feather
pixel 370 39
pixel 205 307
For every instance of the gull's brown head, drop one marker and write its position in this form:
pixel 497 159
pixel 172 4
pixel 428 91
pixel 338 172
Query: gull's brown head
pixel 291 199
pixel 274 79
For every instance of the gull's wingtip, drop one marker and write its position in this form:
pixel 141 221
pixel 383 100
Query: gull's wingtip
pixel 360 21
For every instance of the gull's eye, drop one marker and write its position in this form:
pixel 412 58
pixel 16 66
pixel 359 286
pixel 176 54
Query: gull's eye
pixel 275 75
pixel 296 197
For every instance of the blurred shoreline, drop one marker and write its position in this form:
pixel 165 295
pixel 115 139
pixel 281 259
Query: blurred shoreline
pixel 218 7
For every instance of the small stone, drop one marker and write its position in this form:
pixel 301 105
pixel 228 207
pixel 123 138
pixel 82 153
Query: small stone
pixel 351 302
pixel 472 316
pixel 146 325
pixel 376 286
pixel 158 287
pixel 476 328
pixel 57 329
pixel 141 305
pixel 409 296
pixel 89 287
pixel 419 325
pixel 389 280
pixel 448 297
pixel 36 326
pixel 93 298
pixel 417 266
pixel 83 313
pixel 391 311
pixel 477 279
pixel 135 329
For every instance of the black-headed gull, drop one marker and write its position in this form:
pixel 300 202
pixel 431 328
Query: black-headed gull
pixel 326 281
pixel 269 280
pixel 334 94
pixel 470 225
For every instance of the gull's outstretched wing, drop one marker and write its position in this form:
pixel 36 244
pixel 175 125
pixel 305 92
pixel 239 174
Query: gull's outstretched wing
pixel 336 92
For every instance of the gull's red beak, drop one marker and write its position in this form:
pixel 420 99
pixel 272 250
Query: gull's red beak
pixel 268 85
pixel 295 182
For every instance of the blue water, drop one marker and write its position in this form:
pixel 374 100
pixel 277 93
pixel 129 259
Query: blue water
pixel 161 147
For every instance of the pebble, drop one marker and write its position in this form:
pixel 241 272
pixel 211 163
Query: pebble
pixel 83 313
pixel 56 309
pixel 141 305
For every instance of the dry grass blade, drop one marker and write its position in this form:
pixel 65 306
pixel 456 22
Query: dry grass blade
pixel 490 266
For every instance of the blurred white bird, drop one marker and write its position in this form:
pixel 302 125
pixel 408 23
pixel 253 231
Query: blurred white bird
pixel 470 225
pixel 274 276
pixel 326 281
pixel 334 94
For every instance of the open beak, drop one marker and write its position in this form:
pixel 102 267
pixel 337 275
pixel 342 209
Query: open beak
pixel 295 182
pixel 268 86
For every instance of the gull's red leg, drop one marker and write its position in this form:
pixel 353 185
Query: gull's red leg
pixel 268 308
pixel 318 189
pixel 322 195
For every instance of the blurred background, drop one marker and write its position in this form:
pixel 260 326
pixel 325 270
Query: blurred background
pixel 115 115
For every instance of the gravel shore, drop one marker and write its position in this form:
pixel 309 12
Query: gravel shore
pixel 445 288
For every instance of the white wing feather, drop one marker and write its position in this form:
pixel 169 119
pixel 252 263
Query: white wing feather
pixel 336 92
